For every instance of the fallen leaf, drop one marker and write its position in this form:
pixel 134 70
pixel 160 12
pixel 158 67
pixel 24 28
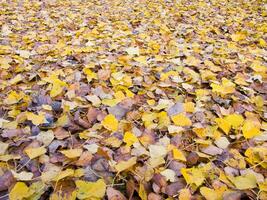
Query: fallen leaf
pixel 247 181
pixel 250 130
pixel 3 147
pixel 35 152
pixel 110 123
pixel 72 153
pixel 178 155
pixel 22 176
pixel 181 120
pixel 124 165
pixel 45 137
pixel 19 191
pixel 129 138
pixel 193 176
pixel 169 175
pixel 90 190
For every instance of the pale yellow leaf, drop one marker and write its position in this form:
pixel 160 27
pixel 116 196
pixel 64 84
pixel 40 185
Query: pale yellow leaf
pixel 35 152
pixel 72 153
pixel 124 165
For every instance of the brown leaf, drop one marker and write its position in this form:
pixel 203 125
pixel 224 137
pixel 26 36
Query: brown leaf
pixel 82 122
pixel 84 159
pixel 10 133
pixel 153 196
pixel 212 150
pixel 160 180
pixel 114 194
pixel 192 158
pixel 6 180
pixel 130 188
pixel 92 114
pixel 60 133
pixel 174 188
pixel 103 74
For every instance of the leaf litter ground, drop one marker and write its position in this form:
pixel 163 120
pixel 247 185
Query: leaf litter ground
pixel 129 99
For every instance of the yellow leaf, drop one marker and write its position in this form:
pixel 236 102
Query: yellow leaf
pixel 236 160
pixel 79 172
pixel 189 107
pixel 259 101
pixel 90 74
pixel 192 61
pixel 36 190
pixel 226 87
pixel 193 176
pixel 47 107
pixel 235 120
pixel 238 36
pixel 19 191
pixel 57 84
pixel 211 66
pixel 63 120
pixel 212 194
pixel 148 118
pixel 178 155
pixel 163 119
pixel 123 165
pixel 64 174
pixel 262 42
pixel 4 62
pixel 8 157
pixel 90 190
pixel 36 119
pixel 200 132
pixel 223 124
pixel 258 67
pixel 72 153
pixel 35 152
pixel 129 138
pixel 110 102
pixel 250 130
pixel 263 186
pixel 151 102
pixel 142 192
pixel 141 59
pixel 247 181
pixel 13 97
pixel 56 90
pixel 181 120
pixel 129 93
pixel 110 122
pixel 113 142
pixel 119 95
pixel 16 79
pixel 3 147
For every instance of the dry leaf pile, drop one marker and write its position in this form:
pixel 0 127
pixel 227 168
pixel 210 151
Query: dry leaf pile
pixel 145 99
